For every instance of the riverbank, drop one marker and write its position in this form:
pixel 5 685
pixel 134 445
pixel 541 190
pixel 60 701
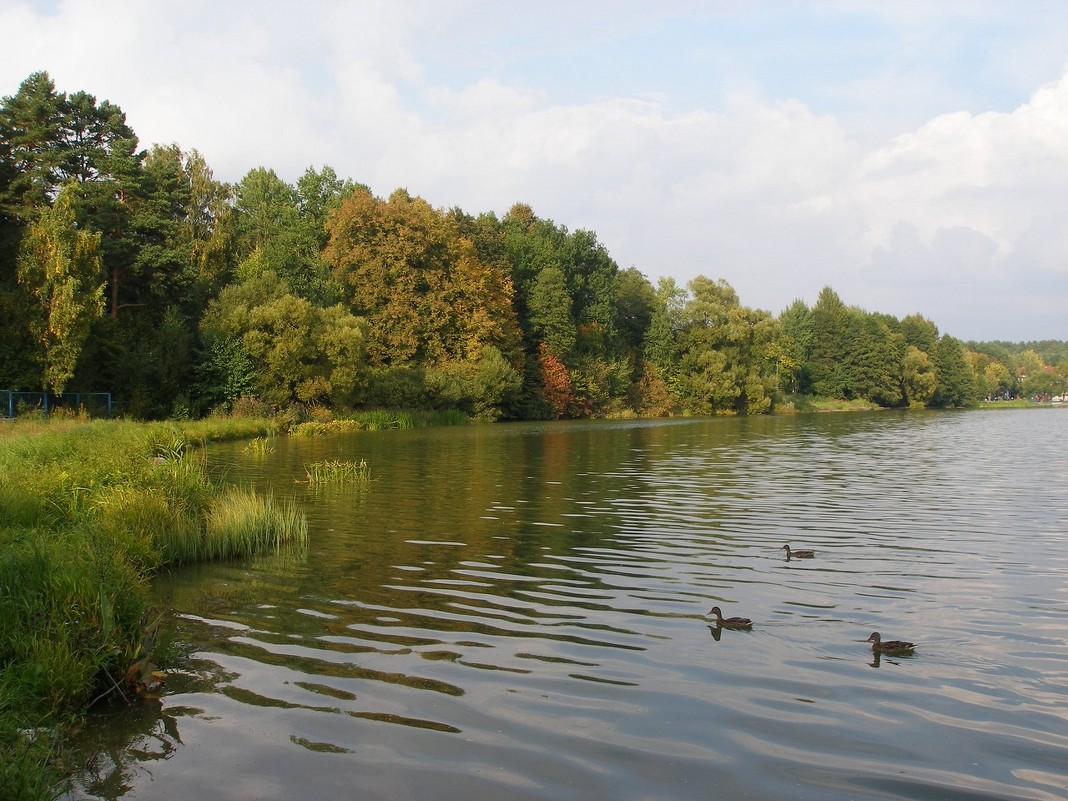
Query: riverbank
pixel 89 511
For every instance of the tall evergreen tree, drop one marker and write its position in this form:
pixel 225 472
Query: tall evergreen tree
pixel 827 357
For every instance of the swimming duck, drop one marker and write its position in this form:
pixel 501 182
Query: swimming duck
pixel 797 554
pixel 730 622
pixel 889 646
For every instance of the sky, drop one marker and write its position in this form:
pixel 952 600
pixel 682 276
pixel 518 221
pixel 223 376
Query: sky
pixel 912 156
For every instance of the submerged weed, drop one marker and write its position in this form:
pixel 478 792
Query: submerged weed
pixel 260 446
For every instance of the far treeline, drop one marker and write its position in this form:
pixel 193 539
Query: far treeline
pixel 136 272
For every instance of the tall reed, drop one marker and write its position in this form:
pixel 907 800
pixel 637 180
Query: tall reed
pixel 338 471
pixel 242 522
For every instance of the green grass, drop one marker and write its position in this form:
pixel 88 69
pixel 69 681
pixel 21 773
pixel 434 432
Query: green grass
pixel 809 403
pixel 89 511
pixel 1017 403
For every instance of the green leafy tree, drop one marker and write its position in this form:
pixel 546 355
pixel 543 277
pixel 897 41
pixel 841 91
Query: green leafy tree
pixel 997 380
pixel 920 332
pixel 224 373
pixel 272 236
pixel 919 377
pixel 1036 379
pixel 635 300
pixel 728 352
pixel 59 266
pixel 590 273
pixel 530 245
pixel 301 353
pixel 208 227
pixel 1060 373
pixel 484 388
pixel 341 341
pixel 873 357
pixel 796 322
pixel 956 382
pixel 319 193
pixel 660 345
pixel 550 313
pixel 47 139
pixel 100 154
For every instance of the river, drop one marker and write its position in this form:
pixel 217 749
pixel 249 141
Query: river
pixel 520 611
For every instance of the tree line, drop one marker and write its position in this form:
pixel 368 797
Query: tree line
pixel 137 272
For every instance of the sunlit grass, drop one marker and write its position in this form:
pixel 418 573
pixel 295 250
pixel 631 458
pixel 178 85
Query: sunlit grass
pixel 380 420
pixel 314 428
pixel 89 511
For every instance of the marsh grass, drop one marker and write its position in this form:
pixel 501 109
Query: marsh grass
pixel 89 511
pixel 338 471
pixel 381 420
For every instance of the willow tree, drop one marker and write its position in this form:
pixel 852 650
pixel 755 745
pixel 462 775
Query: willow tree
pixel 299 352
pixel 919 377
pixel 729 353
pixel 59 265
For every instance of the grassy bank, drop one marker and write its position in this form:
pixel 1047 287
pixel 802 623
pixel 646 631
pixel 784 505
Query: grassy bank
pixel 792 404
pixel 88 512
pixel 1016 403
pixel 379 420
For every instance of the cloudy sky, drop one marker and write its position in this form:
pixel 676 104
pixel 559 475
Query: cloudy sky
pixel 913 156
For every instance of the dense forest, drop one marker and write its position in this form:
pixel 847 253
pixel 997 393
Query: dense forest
pixel 138 273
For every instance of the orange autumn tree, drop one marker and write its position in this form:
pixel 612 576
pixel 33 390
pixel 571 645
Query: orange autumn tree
pixel 555 381
pixel 429 298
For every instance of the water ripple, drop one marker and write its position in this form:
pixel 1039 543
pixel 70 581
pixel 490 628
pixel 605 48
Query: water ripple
pixel 535 627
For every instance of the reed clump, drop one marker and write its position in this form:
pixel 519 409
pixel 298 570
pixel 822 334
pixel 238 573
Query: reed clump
pixel 260 446
pixel 316 428
pixel 338 471
pixel 242 522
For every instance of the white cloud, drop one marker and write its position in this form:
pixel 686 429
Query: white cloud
pixel 455 103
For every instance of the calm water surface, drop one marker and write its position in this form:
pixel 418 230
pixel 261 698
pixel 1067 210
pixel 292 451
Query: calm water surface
pixel 518 611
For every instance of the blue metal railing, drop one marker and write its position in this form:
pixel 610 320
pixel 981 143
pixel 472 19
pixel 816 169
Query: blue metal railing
pixel 13 402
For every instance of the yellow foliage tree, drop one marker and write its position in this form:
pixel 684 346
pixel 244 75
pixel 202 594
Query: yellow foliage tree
pixel 60 266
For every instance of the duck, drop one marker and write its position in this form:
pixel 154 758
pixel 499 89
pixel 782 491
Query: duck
pixel 797 554
pixel 880 646
pixel 730 622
